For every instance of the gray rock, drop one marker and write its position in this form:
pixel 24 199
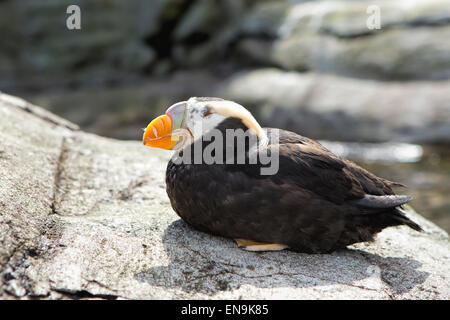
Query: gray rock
pixel 265 19
pixel 121 41
pixel 333 37
pixel 389 55
pixel 348 19
pixel 109 47
pixel 84 216
pixel 337 108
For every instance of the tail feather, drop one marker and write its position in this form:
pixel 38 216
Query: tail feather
pixel 399 216
pixel 382 202
pixel 386 211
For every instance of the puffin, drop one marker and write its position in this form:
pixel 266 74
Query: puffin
pixel 268 189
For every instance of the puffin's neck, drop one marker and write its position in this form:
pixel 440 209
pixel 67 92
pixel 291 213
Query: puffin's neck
pixel 237 124
pixel 230 109
pixel 222 127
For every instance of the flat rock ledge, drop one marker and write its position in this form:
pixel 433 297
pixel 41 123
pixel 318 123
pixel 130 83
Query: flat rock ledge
pixel 82 216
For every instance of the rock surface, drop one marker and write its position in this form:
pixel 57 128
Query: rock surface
pixel 333 37
pixel 84 216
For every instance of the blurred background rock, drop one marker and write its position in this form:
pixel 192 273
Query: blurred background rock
pixel 379 97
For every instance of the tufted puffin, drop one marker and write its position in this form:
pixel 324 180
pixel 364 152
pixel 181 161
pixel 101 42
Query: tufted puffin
pixel 310 201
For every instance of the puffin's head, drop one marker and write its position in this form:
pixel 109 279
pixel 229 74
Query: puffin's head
pixel 188 120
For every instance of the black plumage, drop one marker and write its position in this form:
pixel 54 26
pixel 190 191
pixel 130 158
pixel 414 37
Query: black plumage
pixel 316 203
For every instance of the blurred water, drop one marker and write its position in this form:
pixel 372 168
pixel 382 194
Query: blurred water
pixel 376 152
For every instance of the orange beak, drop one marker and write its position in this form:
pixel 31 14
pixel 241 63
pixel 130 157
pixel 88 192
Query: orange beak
pixel 158 133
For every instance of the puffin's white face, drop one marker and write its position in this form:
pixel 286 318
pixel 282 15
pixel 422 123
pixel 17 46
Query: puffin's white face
pixel 189 120
pixel 201 116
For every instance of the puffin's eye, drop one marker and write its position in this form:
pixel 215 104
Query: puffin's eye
pixel 207 112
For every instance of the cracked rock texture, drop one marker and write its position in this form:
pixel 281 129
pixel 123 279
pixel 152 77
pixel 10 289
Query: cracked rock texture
pixel 84 216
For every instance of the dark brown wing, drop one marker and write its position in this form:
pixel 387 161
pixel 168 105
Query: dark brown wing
pixel 370 183
pixel 317 171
